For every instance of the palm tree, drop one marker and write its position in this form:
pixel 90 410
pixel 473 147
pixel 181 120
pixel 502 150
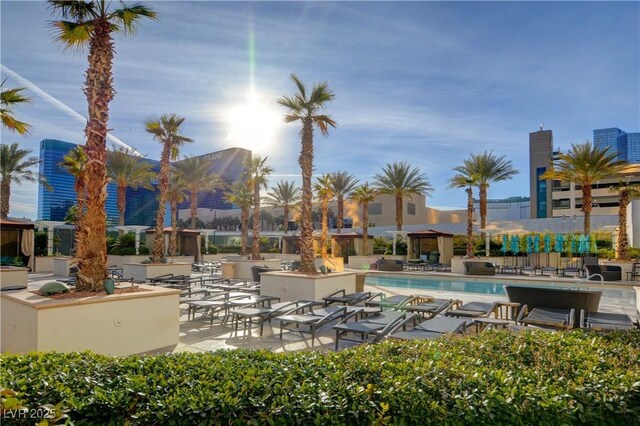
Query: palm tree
pixel 75 162
pixel 242 196
pixel 400 180
pixel 82 23
pixel 324 189
pixel 15 168
pixel 9 98
pixel 364 195
pixel 585 164
pixel 195 172
pixel 626 193
pixel 308 109
pixel 255 175
pixel 166 130
pixel 128 171
pixel 488 168
pixel 343 184
pixel 466 179
pixel 176 194
pixel 286 195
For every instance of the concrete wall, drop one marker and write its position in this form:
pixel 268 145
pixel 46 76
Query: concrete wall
pixel 296 286
pixel 119 324
pixel 13 276
pixel 120 261
pixel 142 271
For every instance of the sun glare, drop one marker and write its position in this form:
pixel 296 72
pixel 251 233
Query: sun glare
pixel 253 125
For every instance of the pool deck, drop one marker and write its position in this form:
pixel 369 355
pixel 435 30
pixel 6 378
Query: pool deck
pixel 199 336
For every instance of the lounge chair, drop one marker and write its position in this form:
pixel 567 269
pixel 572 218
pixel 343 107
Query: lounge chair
pixel 479 268
pixel 557 298
pixel 474 310
pixel 433 328
pixel 547 317
pixel 392 302
pixel 608 272
pixel 370 329
pixel 213 304
pixel 343 298
pixel 602 321
pixel 260 315
pixel 430 309
pixel 310 321
pixel 391 265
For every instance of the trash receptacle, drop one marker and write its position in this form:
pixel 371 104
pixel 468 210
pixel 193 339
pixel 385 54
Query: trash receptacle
pixel 257 270
pixel 228 269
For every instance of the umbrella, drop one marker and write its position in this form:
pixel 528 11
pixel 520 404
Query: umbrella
pixel 583 244
pixel 536 243
pixel 505 244
pixel 547 243
pixel 572 245
pixel 558 248
pixel 529 243
pixel 515 244
pixel 594 246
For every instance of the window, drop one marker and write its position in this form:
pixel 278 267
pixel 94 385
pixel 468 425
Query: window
pixel 375 208
pixel 411 209
pixel 563 203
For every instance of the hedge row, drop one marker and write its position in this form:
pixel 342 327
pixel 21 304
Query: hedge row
pixel 493 378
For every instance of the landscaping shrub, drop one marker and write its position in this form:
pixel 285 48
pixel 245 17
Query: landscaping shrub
pixel 493 378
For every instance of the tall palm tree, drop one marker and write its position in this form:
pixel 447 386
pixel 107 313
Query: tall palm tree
pixel 400 180
pixel 195 172
pixel 242 196
pixel 466 179
pixel 14 168
pixel 363 195
pixel 307 109
pixel 324 190
pixel 285 195
pixel 255 174
pixel 128 171
pixel 176 194
pixel 10 98
pixel 166 130
pixel 75 162
pixel 626 193
pixel 93 23
pixel 488 168
pixel 585 164
pixel 343 184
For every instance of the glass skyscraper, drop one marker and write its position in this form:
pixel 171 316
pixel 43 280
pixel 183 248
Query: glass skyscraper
pixel 142 204
pixel 627 145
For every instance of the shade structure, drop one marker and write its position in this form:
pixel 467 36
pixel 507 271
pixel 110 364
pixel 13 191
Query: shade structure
pixel 505 244
pixel 536 244
pixel 547 243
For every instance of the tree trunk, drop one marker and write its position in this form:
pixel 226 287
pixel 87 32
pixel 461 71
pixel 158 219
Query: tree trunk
pixel 365 228
pixel 5 192
pixel 193 206
pixel 623 239
pixel 399 212
pixel 286 218
pixel 340 221
pixel 325 227
pixel 244 231
pixel 173 239
pixel 470 222
pixel 92 266
pixel 122 201
pixel 255 246
pixel 587 201
pixel 163 186
pixel 483 209
pixel 307 258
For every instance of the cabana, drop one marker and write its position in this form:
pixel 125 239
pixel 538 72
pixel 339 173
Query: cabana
pixel 350 242
pixel 16 242
pixel 422 243
pixel 188 243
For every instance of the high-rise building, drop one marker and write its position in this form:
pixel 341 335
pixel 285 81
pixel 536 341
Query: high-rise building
pixel 142 204
pixel 540 157
pixel 627 145
pixel 511 208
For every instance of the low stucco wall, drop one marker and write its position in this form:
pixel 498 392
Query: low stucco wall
pixel 243 267
pixel 142 271
pixel 43 264
pixel 13 276
pixel 120 261
pixel 296 286
pixel 118 324
pixel 61 266
pixel 364 262
pixel 336 264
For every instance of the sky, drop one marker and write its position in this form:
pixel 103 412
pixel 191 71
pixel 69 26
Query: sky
pixel 424 82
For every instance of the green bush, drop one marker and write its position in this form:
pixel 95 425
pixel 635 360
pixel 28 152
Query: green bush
pixel 492 378
pixel 143 250
pixel 126 251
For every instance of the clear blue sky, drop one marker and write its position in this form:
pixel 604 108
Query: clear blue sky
pixel 423 82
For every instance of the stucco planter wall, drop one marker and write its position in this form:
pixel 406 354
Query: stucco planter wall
pixel 61 266
pixel 334 263
pixel 359 262
pixel 295 286
pixel 43 264
pixel 142 271
pixel 243 267
pixel 120 261
pixel 118 324
pixel 11 276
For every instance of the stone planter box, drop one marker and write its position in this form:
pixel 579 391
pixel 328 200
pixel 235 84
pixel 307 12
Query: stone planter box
pixel 142 271
pixel 43 264
pixel 120 261
pixel 119 324
pixel 295 286
pixel 12 276
pixel 336 264
pixel 243 267
pixel 364 262
pixel 61 266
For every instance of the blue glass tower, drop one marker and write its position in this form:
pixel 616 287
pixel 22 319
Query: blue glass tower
pixel 633 147
pixel 627 145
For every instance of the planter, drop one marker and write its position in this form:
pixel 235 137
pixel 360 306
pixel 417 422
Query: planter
pixel 119 324
pixel 120 261
pixel 364 262
pixel 142 271
pixel 13 276
pixel 243 267
pixel 61 266
pixel 296 286
pixel 43 264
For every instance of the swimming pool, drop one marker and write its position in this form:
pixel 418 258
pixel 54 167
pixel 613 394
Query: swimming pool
pixel 624 297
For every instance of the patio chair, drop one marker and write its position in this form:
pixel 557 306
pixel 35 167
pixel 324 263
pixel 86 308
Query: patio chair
pixel 430 309
pixel 433 328
pixel 343 298
pixel 474 310
pixel 554 318
pixel 310 321
pixel 370 329
pixel 260 315
pixel 602 321
pixel 212 304
pixel 381 301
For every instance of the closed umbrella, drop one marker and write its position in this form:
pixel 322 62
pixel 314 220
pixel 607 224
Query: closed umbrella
pixel 536 244
pixel 529 244
pixel 515 246
pixel 505 244
pixel 559 246
pixel 583 244
pixel 594 246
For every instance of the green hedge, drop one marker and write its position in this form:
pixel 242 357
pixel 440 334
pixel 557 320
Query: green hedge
pixel 494 378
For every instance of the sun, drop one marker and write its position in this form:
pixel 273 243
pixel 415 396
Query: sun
pixel 253 125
